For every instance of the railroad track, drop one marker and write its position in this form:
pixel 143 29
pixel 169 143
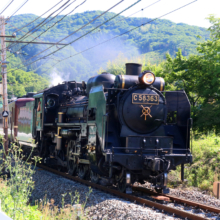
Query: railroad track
pixel 145 202
pixel 178 200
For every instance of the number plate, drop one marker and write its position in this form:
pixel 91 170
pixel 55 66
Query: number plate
pixel 145 99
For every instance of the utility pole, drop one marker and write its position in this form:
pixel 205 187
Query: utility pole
pixel 4 82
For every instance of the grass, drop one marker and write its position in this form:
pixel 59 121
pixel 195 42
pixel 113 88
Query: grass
pixel 16 210
pixel 16 190
pixel 205 168
pixel 42 210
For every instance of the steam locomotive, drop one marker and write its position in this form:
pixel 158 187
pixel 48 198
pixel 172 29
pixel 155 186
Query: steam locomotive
pixel 113 130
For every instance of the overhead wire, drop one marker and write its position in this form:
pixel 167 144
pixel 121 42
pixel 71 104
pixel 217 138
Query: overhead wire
pixel 53 24
pixel 6 7
pixel 133 13
pixel 25 1
pixel 113 37
pixel 129 15
pixel 82 35
pixel 34 21
pixel 30 35
pixel 79 28
pixel 42 23
pixel 67 14
pixel 95 28
pixel 40 16
pixel 119 35
pixel 16 12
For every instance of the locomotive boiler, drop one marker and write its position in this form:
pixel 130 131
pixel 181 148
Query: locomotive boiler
pixel 112 129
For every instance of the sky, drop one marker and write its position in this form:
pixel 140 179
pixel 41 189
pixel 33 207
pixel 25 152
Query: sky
pixel 193 14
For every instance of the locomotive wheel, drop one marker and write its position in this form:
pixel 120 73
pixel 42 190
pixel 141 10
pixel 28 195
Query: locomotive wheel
pixel 122 185
pixel 42 148
pixel 72 166
pixel 83 171
pixel 158 190
pixel 71 160
pixel 94 177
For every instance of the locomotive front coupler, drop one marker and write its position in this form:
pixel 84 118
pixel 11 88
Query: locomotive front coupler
pixel 159 167
pixel 156 164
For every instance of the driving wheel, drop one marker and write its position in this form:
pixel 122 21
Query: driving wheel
pixel 94 177
pixel 83 171
pixel 71 159
pixel 121 184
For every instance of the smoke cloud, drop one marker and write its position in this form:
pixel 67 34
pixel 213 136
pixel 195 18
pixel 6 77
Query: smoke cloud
pixel 55 79
pixel 84 65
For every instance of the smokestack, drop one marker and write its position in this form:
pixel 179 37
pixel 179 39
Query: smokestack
pixel 133 69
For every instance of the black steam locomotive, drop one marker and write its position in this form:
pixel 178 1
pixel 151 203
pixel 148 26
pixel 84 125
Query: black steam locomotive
pixel 112 130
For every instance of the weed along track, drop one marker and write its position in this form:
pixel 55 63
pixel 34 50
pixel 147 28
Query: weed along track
pixel 164 208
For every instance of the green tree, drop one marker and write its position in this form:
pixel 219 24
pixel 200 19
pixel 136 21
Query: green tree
pixel 199 76
pixel 117 66
pixel 20 82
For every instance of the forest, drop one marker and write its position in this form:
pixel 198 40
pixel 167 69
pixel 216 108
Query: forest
pixel 152 41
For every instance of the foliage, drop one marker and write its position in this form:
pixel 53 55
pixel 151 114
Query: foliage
pixel 199 75
pixel 206 153
pixel 69 211
pixel 26 211
pixel 206 163
pixel 117 66
pixel 16 190
pixel 21 82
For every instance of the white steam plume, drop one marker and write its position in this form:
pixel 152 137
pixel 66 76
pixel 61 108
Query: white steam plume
pixel 55 79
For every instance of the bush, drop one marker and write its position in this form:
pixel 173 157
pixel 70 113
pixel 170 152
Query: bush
pixel 205 185
pixel 16 190
pixel 206 163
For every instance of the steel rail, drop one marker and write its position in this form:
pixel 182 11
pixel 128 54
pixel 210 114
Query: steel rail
pixel 178 200
pixel 132 198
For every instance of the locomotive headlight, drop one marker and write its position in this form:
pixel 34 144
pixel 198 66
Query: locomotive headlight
pixel 147 78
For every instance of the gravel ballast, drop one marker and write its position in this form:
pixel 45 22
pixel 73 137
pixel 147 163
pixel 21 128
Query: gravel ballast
pixel 101 205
